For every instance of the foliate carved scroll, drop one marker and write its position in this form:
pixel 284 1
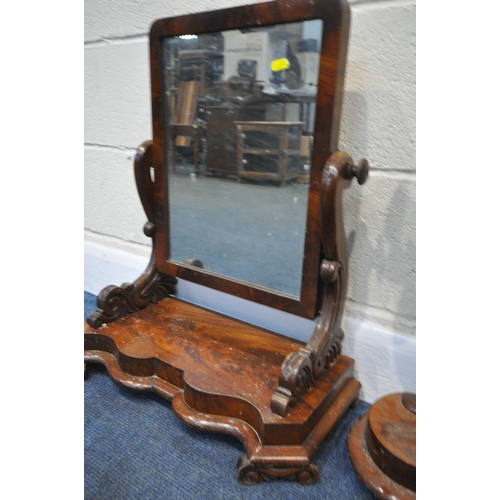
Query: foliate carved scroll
pixel 115 302
pixel 301 369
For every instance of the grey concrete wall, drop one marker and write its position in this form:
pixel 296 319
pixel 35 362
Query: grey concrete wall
pixel 378 122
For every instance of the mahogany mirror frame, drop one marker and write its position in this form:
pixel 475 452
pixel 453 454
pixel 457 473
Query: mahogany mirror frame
pixel 335 16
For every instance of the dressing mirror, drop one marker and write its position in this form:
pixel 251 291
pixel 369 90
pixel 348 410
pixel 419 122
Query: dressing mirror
pixel 242 189
pixel 246 113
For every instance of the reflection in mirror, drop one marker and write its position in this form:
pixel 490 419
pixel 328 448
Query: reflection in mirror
pixel 240 109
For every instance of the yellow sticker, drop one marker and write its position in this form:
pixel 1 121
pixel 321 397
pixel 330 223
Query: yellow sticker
pixel 280 64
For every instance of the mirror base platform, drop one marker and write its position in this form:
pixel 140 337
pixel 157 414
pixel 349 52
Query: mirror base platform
pixel 382 447
pixel 220 375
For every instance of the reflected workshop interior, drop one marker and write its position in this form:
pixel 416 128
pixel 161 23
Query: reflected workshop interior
pixel 240 109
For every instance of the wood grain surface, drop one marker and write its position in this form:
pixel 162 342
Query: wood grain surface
pixel 223 366
pixel 382 447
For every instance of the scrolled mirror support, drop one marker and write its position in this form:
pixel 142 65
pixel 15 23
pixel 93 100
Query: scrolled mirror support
pixel 115 302
pixel 301 369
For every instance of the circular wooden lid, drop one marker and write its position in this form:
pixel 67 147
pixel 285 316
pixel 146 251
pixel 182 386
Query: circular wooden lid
pixel 382 447
pixel 391 435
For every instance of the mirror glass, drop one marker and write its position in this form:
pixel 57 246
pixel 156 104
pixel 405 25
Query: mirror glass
pixel 239 107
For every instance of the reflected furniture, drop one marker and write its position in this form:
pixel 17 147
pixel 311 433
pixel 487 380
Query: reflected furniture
pixel 279 396
pixel 196 133
pixel 200 65
pixel 305 158
pixel 187 104
pixel 305 101
pixel 268 150
pixel 222 147
pixel 183 131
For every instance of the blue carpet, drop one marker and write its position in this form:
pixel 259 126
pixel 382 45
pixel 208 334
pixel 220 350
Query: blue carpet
pixel 135 448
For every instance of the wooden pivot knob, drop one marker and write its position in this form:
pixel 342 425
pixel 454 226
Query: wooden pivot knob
pixel 194 262
pixel 360 171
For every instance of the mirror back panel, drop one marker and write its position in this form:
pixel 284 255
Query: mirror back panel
pixel 245 114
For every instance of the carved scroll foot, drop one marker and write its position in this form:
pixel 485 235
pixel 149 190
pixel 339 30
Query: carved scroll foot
pixel 249 473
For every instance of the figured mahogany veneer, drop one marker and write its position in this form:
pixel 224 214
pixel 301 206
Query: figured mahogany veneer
pixel 221 375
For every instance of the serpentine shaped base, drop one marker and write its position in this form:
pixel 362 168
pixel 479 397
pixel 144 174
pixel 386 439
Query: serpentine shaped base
pixel 220 375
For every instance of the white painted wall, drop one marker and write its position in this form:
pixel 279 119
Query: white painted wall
pixel 378 122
